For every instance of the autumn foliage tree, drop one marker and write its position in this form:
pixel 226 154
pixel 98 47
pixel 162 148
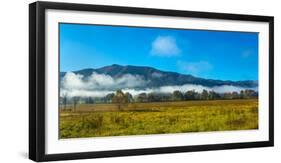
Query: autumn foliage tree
pixel 119 98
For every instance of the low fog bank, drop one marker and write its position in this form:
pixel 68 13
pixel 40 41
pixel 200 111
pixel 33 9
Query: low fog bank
pixel 99 85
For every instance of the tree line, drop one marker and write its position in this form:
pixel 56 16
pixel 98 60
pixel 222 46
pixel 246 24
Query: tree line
pixel 120 97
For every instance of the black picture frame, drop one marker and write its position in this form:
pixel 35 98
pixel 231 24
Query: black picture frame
pixel 37 80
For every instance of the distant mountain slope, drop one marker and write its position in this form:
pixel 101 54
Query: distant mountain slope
pixel 159 78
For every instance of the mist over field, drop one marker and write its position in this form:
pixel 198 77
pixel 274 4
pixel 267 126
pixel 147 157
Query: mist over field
pixel 99 85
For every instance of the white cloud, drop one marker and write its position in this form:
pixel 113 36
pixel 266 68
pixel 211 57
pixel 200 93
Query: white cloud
pixel 100 80
pixel 165 46
pixel 187 87
pixel 99 85
pixel 71 80
pixel 84 93
pixel 194 67
pixel 130 81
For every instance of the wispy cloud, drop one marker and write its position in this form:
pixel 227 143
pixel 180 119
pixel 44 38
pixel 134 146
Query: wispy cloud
pixel 246 54
pixel 194 67
pixel 165 46
pixel 157 75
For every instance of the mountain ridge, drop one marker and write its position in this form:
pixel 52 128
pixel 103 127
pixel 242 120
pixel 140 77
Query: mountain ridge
pixel 159 78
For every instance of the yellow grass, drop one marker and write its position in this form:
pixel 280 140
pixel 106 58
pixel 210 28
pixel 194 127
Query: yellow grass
pixel 95 120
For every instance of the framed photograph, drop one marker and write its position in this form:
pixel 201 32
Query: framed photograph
pixel 111 81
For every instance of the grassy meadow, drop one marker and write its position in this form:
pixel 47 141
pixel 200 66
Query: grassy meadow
pixel 97 120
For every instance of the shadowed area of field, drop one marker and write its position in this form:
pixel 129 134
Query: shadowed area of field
pixel 95 120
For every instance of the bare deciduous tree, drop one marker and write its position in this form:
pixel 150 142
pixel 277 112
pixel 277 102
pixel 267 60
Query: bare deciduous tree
pixel 64 100
pixel 75 102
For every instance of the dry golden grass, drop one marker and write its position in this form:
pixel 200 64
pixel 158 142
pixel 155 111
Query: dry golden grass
pixel 158 118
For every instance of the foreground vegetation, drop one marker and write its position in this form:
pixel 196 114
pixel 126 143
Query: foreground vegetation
pixel 95 120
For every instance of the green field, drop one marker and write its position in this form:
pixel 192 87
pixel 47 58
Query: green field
pixel 96 120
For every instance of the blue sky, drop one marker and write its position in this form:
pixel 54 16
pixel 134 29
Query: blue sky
pixel 207 54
